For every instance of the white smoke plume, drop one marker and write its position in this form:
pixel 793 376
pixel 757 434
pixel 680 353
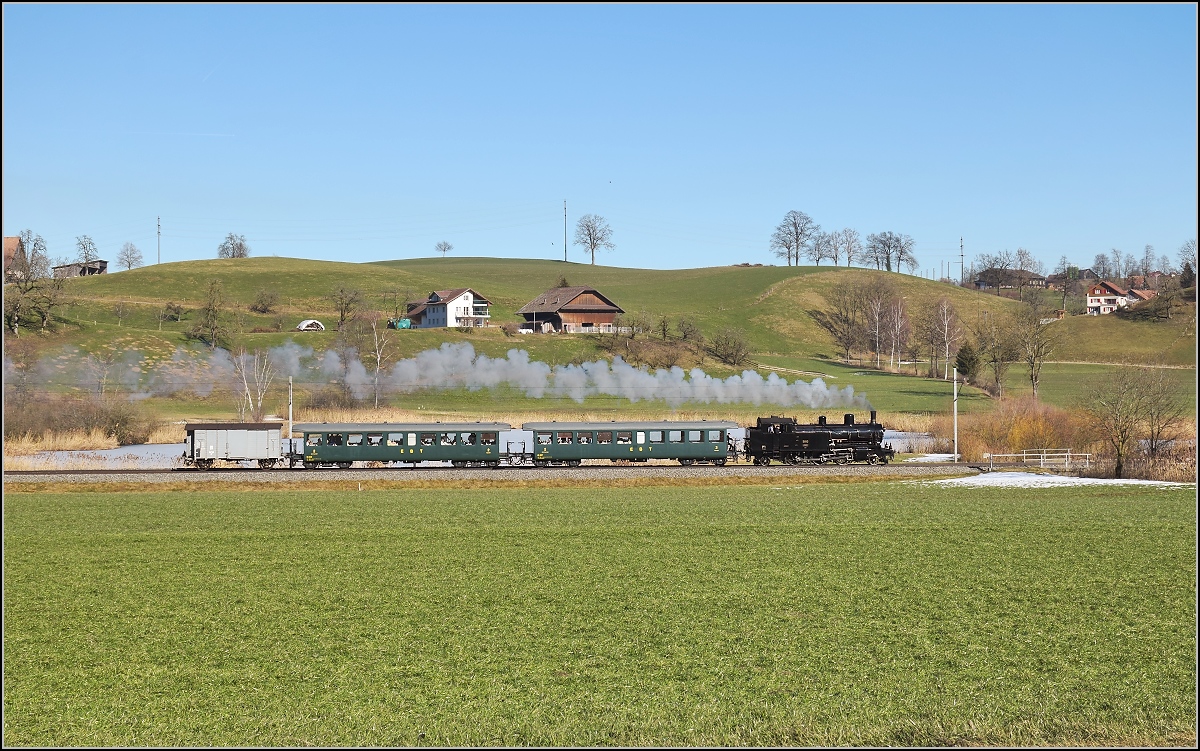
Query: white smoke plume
pixel 454 366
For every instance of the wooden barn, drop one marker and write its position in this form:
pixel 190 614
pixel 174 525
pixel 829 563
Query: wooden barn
pixel 569 310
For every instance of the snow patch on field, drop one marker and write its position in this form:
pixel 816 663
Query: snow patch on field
pixel 1031 480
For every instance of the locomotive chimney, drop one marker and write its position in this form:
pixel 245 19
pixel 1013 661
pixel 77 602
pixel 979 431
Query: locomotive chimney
pixel 821 420
pixel 872 417
pixel 849 418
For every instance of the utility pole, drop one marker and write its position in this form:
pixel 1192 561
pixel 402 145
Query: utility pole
pixel 955 414
pixel 564 231
pixel 962 270
pixel 159 239
pixel 290 409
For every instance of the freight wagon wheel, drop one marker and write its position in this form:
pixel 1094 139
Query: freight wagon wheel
pixel 204 464
pixel 266 463
pixel 344 465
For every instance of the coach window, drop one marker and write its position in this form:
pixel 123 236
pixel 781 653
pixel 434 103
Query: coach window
pixel 334 439
pixel 468 439
pixel 604 437
pixel 714 436
pixel 656 436
pixel 564 437
pixel 675 436
pixel 488 439
pixel 543 439
pixel 354 440
pixel 625 436
pixel 397 439
pixel 374 439
pixel 447 439
pixel 313 439
pixel 427 439
pixel 585 438
pixel 694 436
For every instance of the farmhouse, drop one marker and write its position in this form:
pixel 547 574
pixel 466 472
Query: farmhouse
pixel 1105 297
pixel 90 268
pixel 569 309
pixel 1008 279
pixel 450 307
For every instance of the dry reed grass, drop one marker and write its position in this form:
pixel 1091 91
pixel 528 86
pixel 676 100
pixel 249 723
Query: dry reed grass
pixel 75 462
pixel 75 440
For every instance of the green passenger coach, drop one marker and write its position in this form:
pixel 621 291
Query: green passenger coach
pixel 686 442
pixel 460 443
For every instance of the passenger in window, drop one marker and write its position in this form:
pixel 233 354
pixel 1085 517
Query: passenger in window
pixel 427 439
pixel 470 438
pixel 585 438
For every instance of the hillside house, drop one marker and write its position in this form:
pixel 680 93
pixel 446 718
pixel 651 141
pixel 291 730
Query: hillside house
pixel 450 308
pixel 11 247
pixel 1008 279
pixel 1106 297
pixel 569 310
pixel 90 268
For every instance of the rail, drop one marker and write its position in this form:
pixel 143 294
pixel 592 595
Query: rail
pixel 1044 458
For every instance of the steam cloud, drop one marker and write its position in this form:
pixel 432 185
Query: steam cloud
pixel 447 367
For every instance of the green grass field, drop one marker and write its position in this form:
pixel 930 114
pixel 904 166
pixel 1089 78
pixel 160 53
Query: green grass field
pixel 863 614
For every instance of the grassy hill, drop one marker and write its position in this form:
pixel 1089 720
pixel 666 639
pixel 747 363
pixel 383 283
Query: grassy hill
pixel 770 304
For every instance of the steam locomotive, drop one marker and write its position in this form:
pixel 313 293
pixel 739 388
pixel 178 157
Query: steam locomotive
pixel 540 444
pixel 784 440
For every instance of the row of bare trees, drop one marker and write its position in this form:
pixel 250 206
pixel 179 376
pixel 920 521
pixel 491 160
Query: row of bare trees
pixel 798 236
pixel 871 316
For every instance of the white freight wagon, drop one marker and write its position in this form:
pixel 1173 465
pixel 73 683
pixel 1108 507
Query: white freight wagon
pixel 207 442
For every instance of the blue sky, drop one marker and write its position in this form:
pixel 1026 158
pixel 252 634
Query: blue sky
pixel 371 132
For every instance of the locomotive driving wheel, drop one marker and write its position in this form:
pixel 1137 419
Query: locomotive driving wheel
pixel 872 459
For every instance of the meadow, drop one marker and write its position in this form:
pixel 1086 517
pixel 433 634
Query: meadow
pixel 817 614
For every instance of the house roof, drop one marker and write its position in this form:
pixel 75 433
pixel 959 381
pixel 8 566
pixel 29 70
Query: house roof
pixel 557 299
pixel 1114 289
pixel 1143 294
pixel 10 250
pixel 449 295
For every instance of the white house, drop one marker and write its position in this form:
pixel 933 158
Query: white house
pixel 450 307
pixel 1105 297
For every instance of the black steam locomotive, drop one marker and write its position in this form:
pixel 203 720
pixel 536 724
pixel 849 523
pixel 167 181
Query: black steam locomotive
pixel 782 439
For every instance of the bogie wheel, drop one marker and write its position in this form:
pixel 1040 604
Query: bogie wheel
pixel 310 465
pixel 494 465
pixel 687 462
pixel 574 462
pixel 458 463
pixel 719 462
pixel 541 463
pixel 344 465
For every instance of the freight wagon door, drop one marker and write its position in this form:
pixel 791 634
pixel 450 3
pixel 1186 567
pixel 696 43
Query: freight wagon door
pixel 239 445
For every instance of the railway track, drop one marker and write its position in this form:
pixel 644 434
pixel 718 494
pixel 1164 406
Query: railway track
pixel 520 473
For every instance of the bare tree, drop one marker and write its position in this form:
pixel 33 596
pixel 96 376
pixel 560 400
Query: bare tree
pixel 949 331
pixel 593 233
pixel 731 347
pixel 899 330
pixel 233 246
pixel 1026 266
pixel 443 247
pixel 997 348
pixel 253 373
pixel 265 301
pixel 1163 407
pixel 1187 254
pixel 997 268
pixel 371 337
pixel 823 245
pixel 121 311
pixel 347 301
pixel 1102 266
pixel 663 325
pixel 850 245
pixel 843 319
pixel 689 331
pixel 129 256
pixel 877 298
pixel 1036 339
pixel 85 250
pixel 793 235
pixel 1117 404
pixel 891 251
pixel 25 279
pixel 212 325
pixel 925 329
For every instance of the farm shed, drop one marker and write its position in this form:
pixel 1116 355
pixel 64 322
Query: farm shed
pixel 570 309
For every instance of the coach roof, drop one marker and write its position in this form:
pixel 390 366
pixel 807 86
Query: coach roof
pixel 615 425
